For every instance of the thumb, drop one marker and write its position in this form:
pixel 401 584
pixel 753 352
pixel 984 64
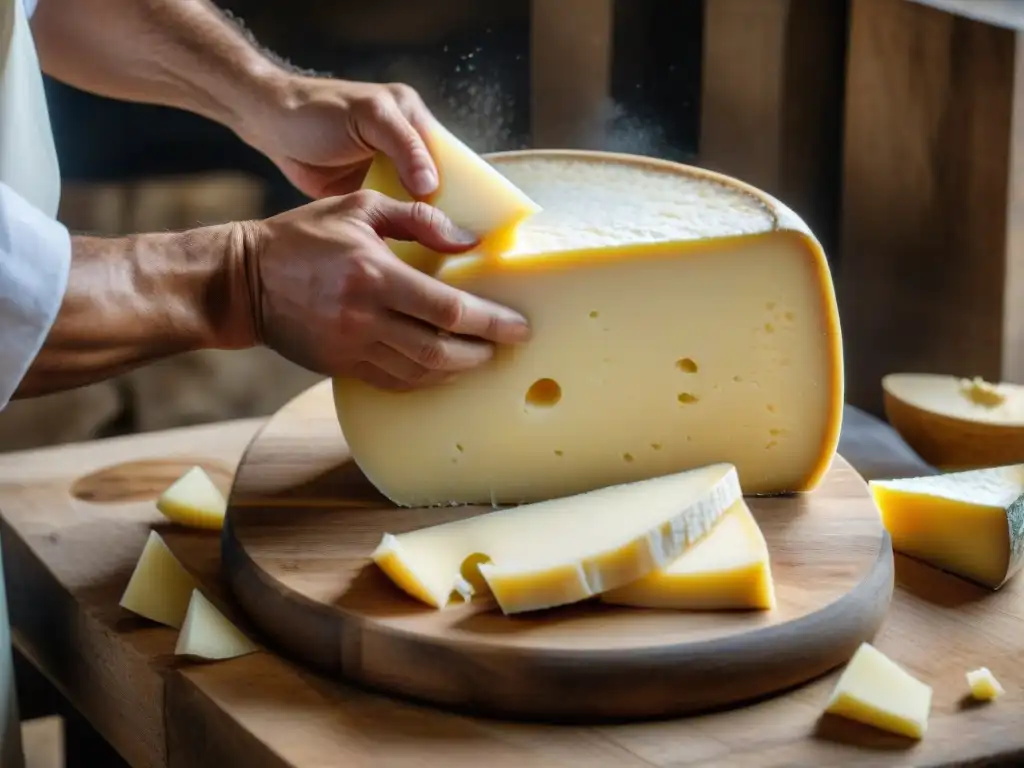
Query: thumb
pixel 416 221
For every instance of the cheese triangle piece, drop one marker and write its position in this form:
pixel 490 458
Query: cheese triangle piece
pixel 564 550
pixel 194 501
pixel 727 570
pixel 160 587
pixel 209 634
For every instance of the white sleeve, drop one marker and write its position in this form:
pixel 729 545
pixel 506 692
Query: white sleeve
pixel 35 258
pixel 30 7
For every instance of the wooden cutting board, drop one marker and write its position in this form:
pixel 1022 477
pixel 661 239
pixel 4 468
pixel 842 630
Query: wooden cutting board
pixel 303 521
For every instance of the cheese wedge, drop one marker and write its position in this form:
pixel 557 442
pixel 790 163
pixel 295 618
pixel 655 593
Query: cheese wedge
pixel 208 634
pixel 160 587
pixel 679 318
pixel 983 684
pixel 967 523
pixel 729 569
pixel 564 550
pixel 193 500
pixel 876 691
pixel 954 423
pixel 470 191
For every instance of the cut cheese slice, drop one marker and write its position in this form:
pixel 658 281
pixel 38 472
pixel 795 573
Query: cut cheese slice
pixel 160 587
pixel 679 319
pixel 193 500
pixel 208 634
pixel 954 423
pixel 983 684
pixel 564 550
pixel 876 691
pixel 967 523
pixel 727 570
pixel 470 191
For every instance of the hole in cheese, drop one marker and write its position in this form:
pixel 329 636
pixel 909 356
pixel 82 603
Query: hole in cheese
pixel 686 365
pixel 594 314
pixel 627 457
pixel 686 398
pixel 543 393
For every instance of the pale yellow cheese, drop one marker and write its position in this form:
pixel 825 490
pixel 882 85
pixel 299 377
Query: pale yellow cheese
pixel 729 569
pixel 194 500
pixel 678 319
pixel 563 550
pixel 209 634
pixel 967 523
pixel 983 684
pixel 160 587
pixel 876 691
pixel 470 192
pixel 955 423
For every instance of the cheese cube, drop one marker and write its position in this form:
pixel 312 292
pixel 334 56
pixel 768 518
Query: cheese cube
pixel 876 691
pixel 208 634
pixel 564 550
pixel 983 684
pixel 727 570
pixel 193 500
pixel 967 523
pixel 471 192
pixel 679 319
pixel 160 587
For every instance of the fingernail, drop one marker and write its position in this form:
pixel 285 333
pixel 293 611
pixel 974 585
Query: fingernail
pixel 463 236
pixel 518 325
pixel 424 182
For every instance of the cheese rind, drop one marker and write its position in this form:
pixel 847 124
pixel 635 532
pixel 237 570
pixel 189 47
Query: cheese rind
pixel 983 684
pixel 563 550
pixel 876 691
pixel 160 587
pixel 471 192
pixel 208 634
pixel 692 325
pixel 194 501
pixel 729 569
pixel 968 523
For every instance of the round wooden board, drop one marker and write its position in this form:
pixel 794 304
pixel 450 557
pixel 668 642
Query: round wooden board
pixel 302 522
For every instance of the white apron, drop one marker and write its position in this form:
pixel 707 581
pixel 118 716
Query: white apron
pixel 28 164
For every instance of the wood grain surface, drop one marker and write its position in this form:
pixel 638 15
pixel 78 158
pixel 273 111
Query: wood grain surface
pixel 303 521
pixel 68 560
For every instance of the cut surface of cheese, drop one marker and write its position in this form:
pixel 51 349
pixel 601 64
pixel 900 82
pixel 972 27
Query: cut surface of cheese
pixel 955 423
pixel 876 691
pixel 160 587
pixel 968 523
pixel 679 319
pixel 193 500
pixel 729 569
pixel 209 634
pixel 983 684
pixel 564 550
pixel 471 192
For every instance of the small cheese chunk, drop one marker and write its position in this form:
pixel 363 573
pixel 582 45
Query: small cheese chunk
pixel 208 634
pixel 564 550
pixel 625 376
pixel 983 684
pixel 967 523
pixel 727 570
pixel 471 192
pixel 193 500
pixel 876 691
pixel 160 587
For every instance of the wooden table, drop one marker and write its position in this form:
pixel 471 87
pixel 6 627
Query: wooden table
pixel 68 561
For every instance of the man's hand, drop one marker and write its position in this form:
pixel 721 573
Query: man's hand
pixel 327 293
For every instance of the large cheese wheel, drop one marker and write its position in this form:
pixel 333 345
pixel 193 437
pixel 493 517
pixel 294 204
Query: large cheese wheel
pixel 680 318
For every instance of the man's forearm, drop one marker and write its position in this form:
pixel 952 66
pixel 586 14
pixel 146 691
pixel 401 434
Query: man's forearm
pixel 136 299
pixel 177 53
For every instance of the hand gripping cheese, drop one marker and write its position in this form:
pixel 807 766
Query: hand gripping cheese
pixel 967 523
pixel 209 634
pixel 194 501
pixel 876 691
pixel 563 550
pixel 470 192
pixel 679 319
pixel 729 569
pixel 160 587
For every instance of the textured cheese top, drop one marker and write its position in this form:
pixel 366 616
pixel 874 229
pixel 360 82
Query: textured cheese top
pixel 994 487
pixel 587 204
